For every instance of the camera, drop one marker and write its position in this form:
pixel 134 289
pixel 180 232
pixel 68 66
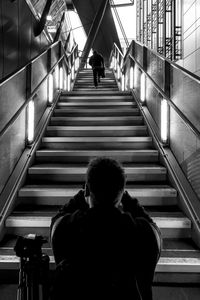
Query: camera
pixel 29 246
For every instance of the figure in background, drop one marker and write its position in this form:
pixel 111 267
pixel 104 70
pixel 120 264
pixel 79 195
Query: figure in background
pixel 105 244
pixel 96 61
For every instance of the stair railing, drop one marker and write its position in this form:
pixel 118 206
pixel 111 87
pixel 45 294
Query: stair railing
pixel 169 95
pixel 28 97
pixel 116 63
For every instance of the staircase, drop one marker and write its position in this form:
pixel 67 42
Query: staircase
pixel 86 123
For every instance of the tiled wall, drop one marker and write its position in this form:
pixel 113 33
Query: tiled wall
pixel 191 35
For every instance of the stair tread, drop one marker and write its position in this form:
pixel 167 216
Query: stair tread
pixel 97 139
pixel 96 127
pixel 99 118
pixel 67 169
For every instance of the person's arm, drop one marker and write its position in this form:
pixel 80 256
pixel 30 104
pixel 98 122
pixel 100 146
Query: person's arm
pixel 76 203
pixel 137 212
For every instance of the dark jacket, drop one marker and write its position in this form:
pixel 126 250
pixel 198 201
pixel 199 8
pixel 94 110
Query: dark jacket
pixel 106 252
pixel 96 60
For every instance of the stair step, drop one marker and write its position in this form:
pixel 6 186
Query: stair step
pixel 22 223
pixel 102 89
pixel 85 156
pixel 96 130
pixel 66 173
pixel 97 104
pixel 147 195
pixel 95 92
pixel 95 143
pixel 96 98
pixel 95 112
pixel 96 120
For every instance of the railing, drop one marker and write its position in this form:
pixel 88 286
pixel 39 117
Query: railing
pixel 170 94
pixel 25 95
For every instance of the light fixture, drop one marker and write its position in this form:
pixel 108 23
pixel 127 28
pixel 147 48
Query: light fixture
pixel 69 82
pixel 143 87
pixel 123 82
pixel 118 71
pixel 164 121
pixel 136 72
pixel 30 123
pixel 49 18
pixel 50 88
pixel 65 81
pixel 131 78
pixel 61 78
pixel 57 76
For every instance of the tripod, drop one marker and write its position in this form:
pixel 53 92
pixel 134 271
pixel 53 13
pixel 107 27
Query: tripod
pixel 34 269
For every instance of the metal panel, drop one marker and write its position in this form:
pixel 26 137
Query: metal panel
pixel 54 55
pixel 40 101
pixel 12 146
pixel 185 93
pixel 10 35
pixel 12 95
pixel 156 68
pixel 1 43
pixel 25 28
pixel 39 70
pixel 186 149
pixel 153 102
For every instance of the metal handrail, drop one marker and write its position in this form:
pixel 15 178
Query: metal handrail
pixel 187 72
pixel 24 105
pixel 170 102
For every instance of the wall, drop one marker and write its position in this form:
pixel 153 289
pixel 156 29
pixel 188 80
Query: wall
pixel 17 40
pixel 191 35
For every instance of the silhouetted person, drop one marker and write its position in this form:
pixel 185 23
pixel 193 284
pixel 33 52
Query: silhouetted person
pixel 96 61
pixel 105 244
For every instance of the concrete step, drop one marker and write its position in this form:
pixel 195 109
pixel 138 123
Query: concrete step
pixel 178 256
pixel 96 112
pixel 140 130
pixel 84 156
pixel 96 120
pixel 36 221
pixel 147 195
pixel 95 143
pixel 97 104
pixel 73 173
pixel 95 92
pixel 96 98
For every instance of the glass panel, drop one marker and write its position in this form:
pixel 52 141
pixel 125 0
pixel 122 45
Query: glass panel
pixel 185 93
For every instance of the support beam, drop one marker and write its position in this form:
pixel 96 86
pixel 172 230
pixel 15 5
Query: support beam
pixel 93 31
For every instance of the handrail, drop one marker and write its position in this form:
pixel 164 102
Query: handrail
pixel 164 95
pixel 187 72
pixel 115 45
pixel 23 106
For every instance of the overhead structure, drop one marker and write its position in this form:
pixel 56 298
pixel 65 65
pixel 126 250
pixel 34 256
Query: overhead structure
pixel 104 33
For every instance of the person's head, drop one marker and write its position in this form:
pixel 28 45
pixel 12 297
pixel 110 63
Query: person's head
pixel 105 180
pixel 95 52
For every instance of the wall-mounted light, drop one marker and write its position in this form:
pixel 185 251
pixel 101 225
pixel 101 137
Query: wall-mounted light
pixel 50 88
pixel 57 76
pixel 123 82
pixel 164 121
pixel 72 71
pixel 115 63
pixel 131 78
pixel 30 123
pixel 143 87
pixel 49 18
pixel 69 82
pixel 118 72
pixel 61 78
pixel 136 73
pixel 65 81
